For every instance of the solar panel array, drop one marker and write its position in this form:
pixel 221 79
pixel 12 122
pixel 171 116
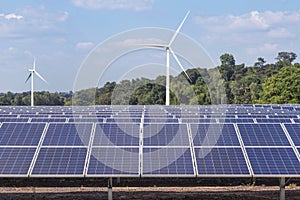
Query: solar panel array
pixel 150 141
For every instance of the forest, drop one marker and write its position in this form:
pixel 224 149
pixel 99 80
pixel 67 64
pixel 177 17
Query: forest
pixel 262 83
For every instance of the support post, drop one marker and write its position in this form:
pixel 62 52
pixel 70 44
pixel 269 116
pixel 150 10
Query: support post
pixel 110 189
pixel 282 188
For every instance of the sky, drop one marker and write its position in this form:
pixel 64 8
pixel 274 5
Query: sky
pixel 62 34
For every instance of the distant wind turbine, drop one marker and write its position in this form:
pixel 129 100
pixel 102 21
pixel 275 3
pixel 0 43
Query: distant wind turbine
pixel 31 74
pixel 169 50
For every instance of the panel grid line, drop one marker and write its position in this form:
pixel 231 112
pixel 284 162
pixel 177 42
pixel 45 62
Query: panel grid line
pixel 38 150
pixel 291 141
pixel 243 149
pixel 89 150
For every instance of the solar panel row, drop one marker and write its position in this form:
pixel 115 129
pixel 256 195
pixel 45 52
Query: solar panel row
pixel 156 149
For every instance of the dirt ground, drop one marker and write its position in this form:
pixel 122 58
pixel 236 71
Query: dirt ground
pixel 166 193
pixel 137 189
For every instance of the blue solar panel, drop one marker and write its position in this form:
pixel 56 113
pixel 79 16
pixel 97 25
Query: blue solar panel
pixel 13 119
pixel 114 161
pixel 198 120
pixel 221 161
pixel 236 120
pixel 15 161
pixel 273 120
pixel 160 120
pixel 273 161
pixel 21 134
pixel 167 161
pixel 48 119
pixel 66 134
pixel 263 135
pixel 60 161
pixel 165 135
pixel 294 131
pixel 113 134
pixel 214 135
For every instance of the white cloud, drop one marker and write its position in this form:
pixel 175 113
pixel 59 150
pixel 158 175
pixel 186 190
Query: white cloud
pixel 280 33
pixel 267 48
pixel 253 21
pixel 84 45
pixel 11 16
pixel 31 22
pixel 137 5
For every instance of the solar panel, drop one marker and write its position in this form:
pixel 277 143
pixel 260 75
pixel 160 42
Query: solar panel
pixel 293 130
pixel 173 162
pixel 15 161
pixel 165 135
pixel 114 162
pixel 68 134
pixel 221 162
pixel 150 141
pixel 60 161
pixel 214 135
pixel 263 135
pixel 273 120
pixel 21 134
pixel 113 134
pixel 273 161
pixel 39 119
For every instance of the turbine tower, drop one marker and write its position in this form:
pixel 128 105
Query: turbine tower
pixel 169 50
pixel 31 74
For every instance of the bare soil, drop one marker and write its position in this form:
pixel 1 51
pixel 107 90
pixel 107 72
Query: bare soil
pixel 167 189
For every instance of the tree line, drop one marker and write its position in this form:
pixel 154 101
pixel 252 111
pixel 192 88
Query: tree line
pixel 262 83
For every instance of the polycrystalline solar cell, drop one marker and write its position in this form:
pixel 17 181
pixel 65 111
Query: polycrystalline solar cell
pixel 116 134
pixel 114 161
pixel 296 120
pixel 294 131
pixel 198 120
pixel 85 120
pixel 167 161
pixel 282 116
pixel 48 119
pixel 165 135
pixel 263 135
pixel 273 120
pixel 13 119
pixel 160 120
pixel 273 161
pixel 214 135
pixel 123 120
pixel 221 161
pixel 67 134
pixel 15 161
pixel 60 161
pixel 236 120
pixel 21 134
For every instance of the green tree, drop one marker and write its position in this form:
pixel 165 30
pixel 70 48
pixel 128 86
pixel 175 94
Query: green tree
pixel 283 87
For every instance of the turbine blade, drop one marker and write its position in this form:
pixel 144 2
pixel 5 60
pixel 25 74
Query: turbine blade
pixel 153 45
pixel 179 63
pixel 40 76
pixel 28 78
pixel 178 29
pixel 33 62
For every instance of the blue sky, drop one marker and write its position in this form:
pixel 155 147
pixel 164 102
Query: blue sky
pixel 60 34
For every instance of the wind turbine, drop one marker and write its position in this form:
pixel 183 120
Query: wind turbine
pixel 31 74
pixel 169 50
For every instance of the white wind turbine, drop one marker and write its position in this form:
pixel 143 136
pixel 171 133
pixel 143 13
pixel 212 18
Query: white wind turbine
pixel 169 50
pixel 31 74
